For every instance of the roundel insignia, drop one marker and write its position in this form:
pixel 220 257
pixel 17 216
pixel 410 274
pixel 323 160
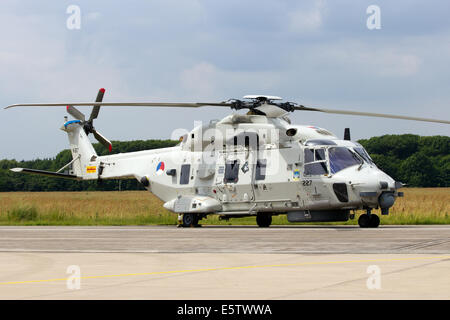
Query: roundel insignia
pixel 160 168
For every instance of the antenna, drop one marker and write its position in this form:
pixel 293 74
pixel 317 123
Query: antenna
pixel 347 134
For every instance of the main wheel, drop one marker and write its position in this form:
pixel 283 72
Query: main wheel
pixel 263 220
pixel 364 221
pixel 190 220
pixel 374 221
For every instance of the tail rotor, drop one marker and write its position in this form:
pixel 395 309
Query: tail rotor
pixel 88 124
pixel 96 109
pixel 77 114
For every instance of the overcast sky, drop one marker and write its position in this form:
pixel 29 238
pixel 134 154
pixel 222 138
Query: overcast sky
pixel 317 53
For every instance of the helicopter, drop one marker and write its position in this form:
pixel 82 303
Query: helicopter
pixel 253 164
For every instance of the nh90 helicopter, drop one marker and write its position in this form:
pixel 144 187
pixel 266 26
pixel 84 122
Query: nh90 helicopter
pixel 253 164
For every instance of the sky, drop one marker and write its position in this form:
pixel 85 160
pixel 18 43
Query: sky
pixel 317 53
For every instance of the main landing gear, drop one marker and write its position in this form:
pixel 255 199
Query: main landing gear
pixel 263 220
pixel 369 220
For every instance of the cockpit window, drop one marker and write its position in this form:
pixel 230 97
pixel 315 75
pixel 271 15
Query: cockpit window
pixel 363 153
pixel 320 154
pixel 309 155
pixel 315 162
pixel 341 158
pixel 312 155
pixel 316 168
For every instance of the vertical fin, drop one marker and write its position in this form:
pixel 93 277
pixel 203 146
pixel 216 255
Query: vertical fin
pixel 81 148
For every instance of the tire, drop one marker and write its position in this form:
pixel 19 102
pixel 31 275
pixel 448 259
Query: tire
pixel 374 221
pixel 264 220
pixel 364 221
pixel 190 220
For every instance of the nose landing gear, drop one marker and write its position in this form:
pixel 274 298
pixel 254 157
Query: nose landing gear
pixel 190 220
pixel 369 220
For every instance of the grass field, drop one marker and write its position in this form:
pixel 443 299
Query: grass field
pixel 419 206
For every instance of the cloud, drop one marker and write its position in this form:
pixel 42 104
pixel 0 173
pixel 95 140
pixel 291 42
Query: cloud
pixel 35 56
pixel 389 60
pixel 206 80
pixel 316 52
pixel 93 15
pixel 304 21
pixel 200 80
pixel 393 64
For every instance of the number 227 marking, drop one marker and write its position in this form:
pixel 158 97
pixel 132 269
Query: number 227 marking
pixel 306 183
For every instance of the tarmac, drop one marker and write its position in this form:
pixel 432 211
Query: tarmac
pixel 225 262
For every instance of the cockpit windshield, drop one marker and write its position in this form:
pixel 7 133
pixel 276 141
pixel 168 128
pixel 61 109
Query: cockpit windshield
pixel 321 160
pixel 341 158
pixel 363 153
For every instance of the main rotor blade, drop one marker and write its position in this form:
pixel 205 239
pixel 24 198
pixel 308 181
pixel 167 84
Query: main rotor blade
pixel 96 109
pixel 74 112
pixel 221 104
pixel 369 114
pixel 125 104
pixel 100 138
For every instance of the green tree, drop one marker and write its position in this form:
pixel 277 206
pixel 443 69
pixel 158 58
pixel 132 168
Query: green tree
pixel 419 171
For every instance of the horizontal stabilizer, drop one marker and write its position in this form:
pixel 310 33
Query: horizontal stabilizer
pixel 45 173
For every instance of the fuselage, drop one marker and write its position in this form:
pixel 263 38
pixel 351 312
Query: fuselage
pixel 246 164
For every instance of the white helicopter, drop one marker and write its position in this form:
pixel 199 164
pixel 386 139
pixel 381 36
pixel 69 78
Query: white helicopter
pixel 254 164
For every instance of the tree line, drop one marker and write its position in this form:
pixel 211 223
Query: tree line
pixel 10 181
pixel 412 159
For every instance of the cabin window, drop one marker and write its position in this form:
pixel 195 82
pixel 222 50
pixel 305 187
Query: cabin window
pixel 260 173
pixel 231 172
pixel 185 173
pixel 247 139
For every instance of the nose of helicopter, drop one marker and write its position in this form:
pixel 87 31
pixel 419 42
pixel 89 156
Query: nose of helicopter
pixel 375 180
pixel 375 188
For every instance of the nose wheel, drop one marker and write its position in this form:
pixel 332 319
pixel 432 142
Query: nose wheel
pixel 369 220
pixel 190 220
